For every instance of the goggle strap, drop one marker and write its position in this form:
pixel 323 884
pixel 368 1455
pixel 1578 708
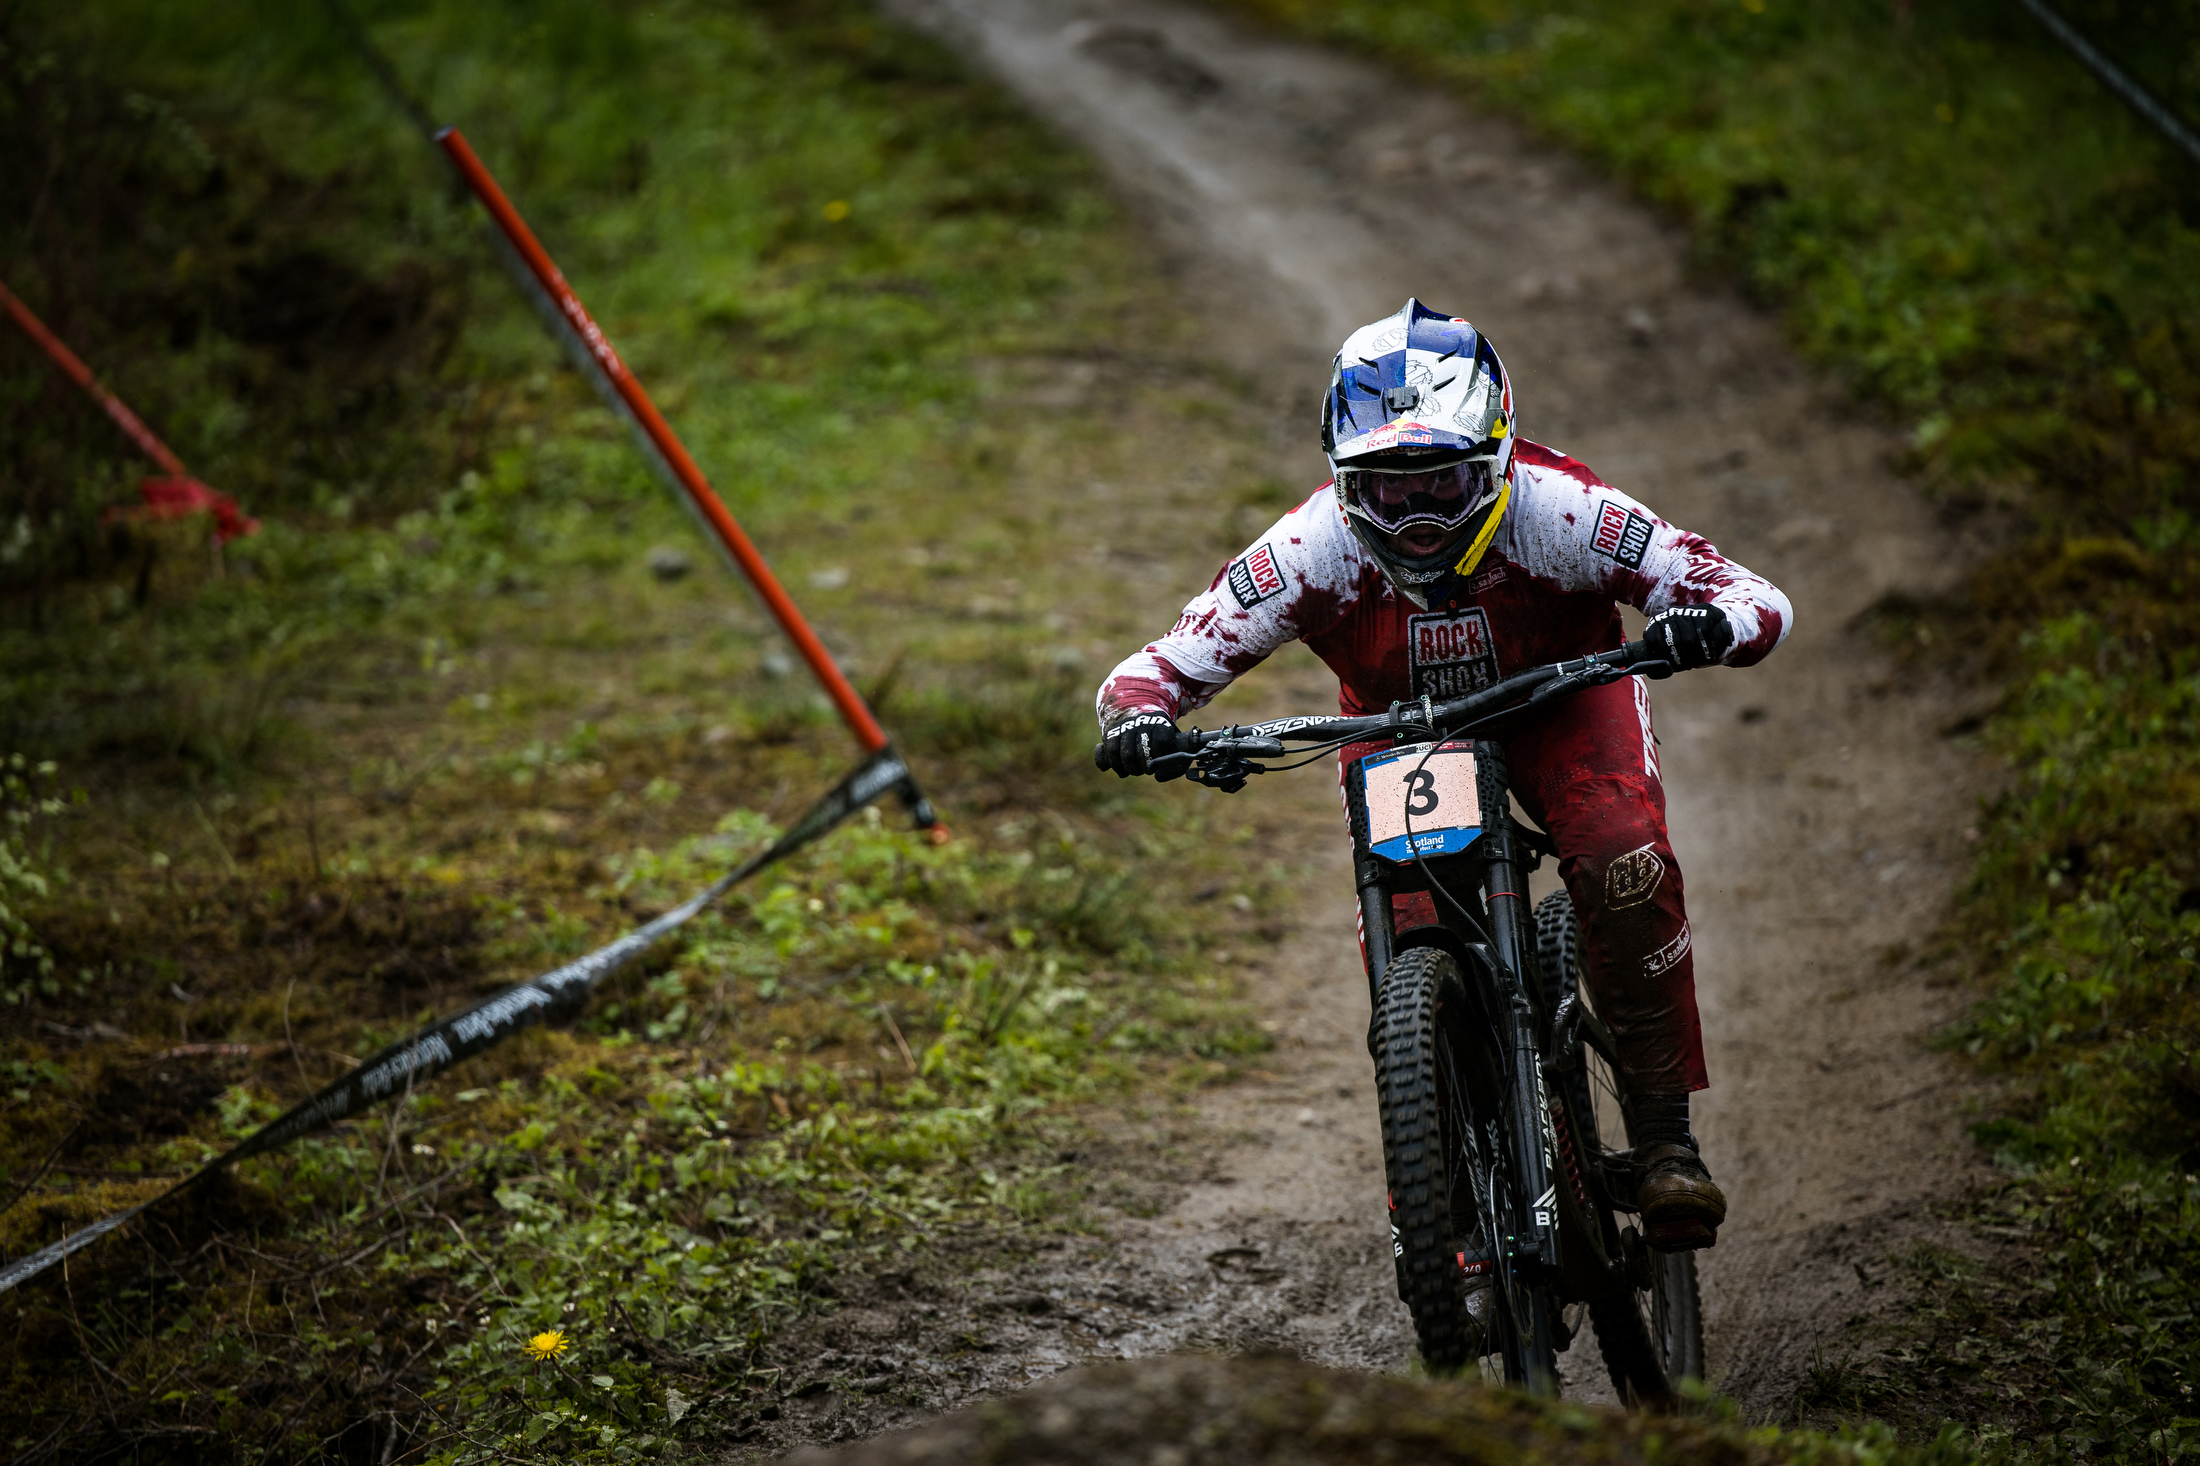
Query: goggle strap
pixel 1481 545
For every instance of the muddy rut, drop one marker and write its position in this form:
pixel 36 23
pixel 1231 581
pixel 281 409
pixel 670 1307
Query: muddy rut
pixel 1818 811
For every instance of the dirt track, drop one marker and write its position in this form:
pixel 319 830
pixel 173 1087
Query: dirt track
pixel 1816 810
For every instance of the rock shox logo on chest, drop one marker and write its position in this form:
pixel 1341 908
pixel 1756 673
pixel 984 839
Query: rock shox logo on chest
pixel 1255 578
pixel 1622 534
pixel 1450 652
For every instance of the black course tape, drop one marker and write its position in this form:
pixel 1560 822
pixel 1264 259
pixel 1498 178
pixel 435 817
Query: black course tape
pixel 2117 80
pixel 396 1069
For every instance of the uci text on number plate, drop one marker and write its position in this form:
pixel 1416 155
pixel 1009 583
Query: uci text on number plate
pixel 1435 794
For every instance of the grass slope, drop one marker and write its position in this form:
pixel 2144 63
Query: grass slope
pixel 475 700
pixel 1957 219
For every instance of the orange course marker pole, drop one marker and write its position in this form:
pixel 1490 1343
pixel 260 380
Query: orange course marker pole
pixel 704 499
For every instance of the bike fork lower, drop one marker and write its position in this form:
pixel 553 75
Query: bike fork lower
pixel 1535 1229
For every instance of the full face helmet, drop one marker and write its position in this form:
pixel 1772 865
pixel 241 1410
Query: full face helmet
pixel 1418 426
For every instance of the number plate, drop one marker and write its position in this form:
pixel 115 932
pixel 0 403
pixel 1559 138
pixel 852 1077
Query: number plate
pixel 1437 795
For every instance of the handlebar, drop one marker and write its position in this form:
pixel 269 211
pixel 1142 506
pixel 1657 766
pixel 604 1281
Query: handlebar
pixel 1513 694
pixel 1227 755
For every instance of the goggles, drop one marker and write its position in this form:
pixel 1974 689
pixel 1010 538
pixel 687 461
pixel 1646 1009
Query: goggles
pixel 1445 497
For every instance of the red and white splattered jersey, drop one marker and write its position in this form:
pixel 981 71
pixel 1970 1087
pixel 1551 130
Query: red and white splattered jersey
pixel 1571 549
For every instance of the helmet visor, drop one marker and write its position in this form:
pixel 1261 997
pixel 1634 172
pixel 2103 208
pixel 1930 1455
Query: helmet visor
pixel 1444 497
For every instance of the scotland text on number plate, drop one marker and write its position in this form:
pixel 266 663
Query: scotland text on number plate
pixel 1432 792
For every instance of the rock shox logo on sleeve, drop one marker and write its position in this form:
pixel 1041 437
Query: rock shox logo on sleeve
pixel 1255 578
pixel 1621 534
pixel 1450 653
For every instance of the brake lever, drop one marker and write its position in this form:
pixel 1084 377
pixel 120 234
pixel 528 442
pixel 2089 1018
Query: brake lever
pixel 1170 766
pixel 1558 687
pixel 1228 777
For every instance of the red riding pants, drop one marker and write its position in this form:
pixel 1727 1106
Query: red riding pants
pixel 1587 771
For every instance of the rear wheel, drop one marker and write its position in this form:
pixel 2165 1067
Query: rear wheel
pixel 1652 1337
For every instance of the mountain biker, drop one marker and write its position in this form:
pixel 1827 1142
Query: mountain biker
pixel 1445 553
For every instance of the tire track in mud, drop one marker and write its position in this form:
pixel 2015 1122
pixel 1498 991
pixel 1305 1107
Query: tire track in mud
pixel 1818 814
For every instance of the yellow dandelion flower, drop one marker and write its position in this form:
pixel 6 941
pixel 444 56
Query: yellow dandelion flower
pixel 547 1345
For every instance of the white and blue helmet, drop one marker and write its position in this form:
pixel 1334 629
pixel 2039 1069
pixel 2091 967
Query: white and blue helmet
pixel 1418 426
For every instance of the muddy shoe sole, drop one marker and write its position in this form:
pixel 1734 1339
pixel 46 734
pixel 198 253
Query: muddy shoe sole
pixel 1686 1234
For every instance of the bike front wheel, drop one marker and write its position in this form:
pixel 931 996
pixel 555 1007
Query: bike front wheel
pixel 1437 1069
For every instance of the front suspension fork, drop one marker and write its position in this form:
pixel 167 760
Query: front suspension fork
pixel 1505 899
pixel 1375 934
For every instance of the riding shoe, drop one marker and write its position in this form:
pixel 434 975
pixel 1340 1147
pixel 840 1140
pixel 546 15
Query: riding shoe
pixel 1681 1205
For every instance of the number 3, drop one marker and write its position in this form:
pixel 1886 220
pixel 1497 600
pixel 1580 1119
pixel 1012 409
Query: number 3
pixel 1420 792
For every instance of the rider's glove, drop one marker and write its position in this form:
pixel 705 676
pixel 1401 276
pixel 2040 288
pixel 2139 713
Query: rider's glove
pixel 1131 746
pixel 1690 636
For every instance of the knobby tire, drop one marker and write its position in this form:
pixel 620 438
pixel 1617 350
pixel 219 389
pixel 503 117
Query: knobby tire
pixel 1418 1155
pixel 1436 1076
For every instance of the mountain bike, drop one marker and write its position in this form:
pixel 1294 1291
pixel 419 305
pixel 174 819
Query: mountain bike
pixel 1504 1142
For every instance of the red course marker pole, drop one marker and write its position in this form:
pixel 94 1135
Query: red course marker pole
pixel 81 374
pixel 174 497
pixel 652 424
